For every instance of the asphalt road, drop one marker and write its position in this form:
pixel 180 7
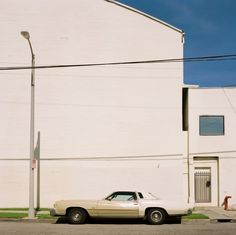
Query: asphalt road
pixel 26 228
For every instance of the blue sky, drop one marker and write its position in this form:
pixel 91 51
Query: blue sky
pixel 210 27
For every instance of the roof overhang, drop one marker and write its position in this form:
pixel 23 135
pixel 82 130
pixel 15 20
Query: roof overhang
pixel 146 15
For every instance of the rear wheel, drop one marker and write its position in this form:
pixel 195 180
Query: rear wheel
pixel 77 216
pixel 156 216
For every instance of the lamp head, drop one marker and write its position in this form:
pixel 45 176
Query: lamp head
pixel 25 34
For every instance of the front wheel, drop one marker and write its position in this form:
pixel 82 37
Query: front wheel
pixel 156 216
pixel 77 216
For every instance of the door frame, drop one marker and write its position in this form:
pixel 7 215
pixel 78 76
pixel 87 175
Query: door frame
pixel 211 163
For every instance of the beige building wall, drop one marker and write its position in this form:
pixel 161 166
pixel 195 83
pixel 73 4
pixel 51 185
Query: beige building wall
pixel 102 128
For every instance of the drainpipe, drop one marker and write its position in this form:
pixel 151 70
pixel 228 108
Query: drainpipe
pixel 185 128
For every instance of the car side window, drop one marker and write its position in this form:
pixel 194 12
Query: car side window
pixel 140 195
pixel 122 196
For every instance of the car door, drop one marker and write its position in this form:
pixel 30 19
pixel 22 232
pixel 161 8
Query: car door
pixel 119 205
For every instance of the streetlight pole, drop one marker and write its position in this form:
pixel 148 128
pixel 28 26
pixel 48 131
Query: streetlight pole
pixel 31 212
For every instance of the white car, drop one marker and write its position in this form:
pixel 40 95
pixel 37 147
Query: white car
pixel 121 204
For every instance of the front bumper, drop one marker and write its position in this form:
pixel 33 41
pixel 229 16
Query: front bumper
pixel 53 212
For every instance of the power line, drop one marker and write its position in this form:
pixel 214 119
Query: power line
pixel 188 59
pixel 229 101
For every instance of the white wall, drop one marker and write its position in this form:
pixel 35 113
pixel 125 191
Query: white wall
pixel 216 101
pixel 227 176
pixel 89 112
pixel 212 102
pixel 94 179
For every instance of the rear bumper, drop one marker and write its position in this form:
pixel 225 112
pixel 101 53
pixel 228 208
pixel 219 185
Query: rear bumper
pixel 189 212
pixel 181 213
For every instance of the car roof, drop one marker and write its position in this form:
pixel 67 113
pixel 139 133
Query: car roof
pixel 124 192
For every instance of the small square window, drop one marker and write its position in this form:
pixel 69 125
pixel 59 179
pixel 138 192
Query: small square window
pixel 211 125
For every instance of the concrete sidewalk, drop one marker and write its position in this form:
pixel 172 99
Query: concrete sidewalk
pixel 217 214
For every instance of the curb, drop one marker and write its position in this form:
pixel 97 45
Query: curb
pixel 23 220
pixel 214 221
pixel 195 221
pixel 183 221
pixel 204 221
pixel 55 221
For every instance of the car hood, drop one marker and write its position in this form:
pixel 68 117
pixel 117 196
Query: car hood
pixel 74 203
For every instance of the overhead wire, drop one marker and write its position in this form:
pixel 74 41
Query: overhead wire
pixel 229 101
pixel 171 60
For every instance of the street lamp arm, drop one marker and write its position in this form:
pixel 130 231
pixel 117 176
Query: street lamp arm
pixel 31 50
pixel 26 35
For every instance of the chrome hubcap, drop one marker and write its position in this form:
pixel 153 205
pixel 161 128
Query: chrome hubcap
pixel 76 216
pixel 156 216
